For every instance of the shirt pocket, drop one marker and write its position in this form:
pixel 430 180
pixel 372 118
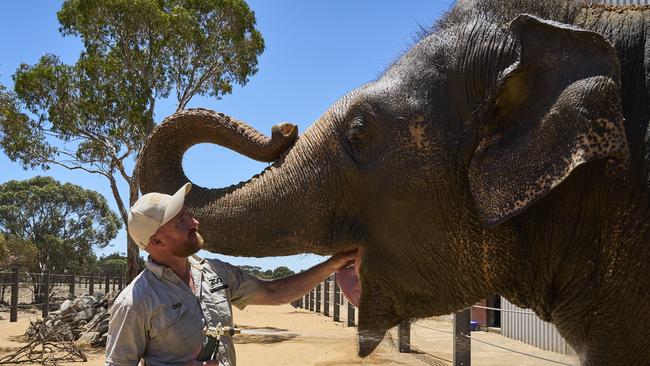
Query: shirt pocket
pixel 166 325
pixel 222 307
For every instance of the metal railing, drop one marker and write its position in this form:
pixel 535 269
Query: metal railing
pixel 40 287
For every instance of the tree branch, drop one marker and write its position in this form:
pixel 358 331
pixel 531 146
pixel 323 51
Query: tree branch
pixel 118 199
pixel 75 167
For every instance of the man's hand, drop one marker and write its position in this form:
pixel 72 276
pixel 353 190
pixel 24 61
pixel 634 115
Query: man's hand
pixel 340 261
pixel 196 354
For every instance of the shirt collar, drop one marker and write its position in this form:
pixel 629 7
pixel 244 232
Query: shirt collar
pixel 159 270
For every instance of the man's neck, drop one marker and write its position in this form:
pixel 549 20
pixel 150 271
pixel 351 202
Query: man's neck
pixel 180 266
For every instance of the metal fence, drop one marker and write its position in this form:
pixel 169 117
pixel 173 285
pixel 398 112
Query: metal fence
pixel 35 290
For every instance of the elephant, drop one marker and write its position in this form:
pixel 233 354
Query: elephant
pixel 507 151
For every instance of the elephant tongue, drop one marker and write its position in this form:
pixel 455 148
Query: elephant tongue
pixel 348 280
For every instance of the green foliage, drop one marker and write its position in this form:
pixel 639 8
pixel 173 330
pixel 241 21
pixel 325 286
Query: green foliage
pixel 114 264
pixel 279 272
pixel 17 252
pixel 282 271
pixel 57 223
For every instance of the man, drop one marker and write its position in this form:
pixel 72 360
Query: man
pixel 160 316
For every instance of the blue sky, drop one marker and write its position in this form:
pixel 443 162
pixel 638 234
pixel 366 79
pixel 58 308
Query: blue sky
pixel 316 51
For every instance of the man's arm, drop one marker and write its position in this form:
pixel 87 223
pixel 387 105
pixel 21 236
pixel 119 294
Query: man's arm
pixel 126 338
pixel 285 290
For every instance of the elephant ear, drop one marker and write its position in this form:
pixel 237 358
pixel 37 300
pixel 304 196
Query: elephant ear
pixel 554 109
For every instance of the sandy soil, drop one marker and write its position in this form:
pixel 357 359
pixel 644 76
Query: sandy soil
pixel 287 336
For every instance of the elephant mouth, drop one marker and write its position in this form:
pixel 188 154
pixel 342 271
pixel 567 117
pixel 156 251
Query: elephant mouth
pixel 370 332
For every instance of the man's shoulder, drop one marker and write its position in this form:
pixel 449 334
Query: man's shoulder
pixel 220 266
pixel 136 293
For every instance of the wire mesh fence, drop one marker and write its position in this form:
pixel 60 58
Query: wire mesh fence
pixel 38 289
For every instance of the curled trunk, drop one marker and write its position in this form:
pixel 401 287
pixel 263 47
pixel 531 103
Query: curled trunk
pixel 160 167
pixel 263 216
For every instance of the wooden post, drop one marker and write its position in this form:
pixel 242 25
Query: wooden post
pixel 46 299
pixel 318 297
pixel 311 300
pixel 120 283
pixel 91 284
pixel 72 285
pixel 350 315
pixel 326 297
pixel 462 344
pixel 13 315
pixel 404 334
pixel 337 301
pixel 305 303
pixel 107 284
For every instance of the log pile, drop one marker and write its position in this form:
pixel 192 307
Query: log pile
pixel 56 338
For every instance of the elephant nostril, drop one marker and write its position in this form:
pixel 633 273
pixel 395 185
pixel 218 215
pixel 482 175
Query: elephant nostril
pixel 287 129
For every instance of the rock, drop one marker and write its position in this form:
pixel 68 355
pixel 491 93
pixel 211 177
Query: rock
pixel 65 305
pixel 88 337
pixel 85 315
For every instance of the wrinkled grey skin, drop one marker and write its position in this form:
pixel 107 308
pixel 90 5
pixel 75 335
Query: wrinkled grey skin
pixel 494 157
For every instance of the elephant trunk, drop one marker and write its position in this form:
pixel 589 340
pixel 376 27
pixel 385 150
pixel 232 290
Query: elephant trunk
pixel 160 167
pixel 264 216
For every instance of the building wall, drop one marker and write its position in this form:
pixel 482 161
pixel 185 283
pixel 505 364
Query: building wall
pixel 530 329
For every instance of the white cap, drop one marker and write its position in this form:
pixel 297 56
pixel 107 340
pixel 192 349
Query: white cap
pixel 152 211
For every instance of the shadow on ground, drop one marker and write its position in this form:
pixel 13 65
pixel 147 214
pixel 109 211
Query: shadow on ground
pixel 263 335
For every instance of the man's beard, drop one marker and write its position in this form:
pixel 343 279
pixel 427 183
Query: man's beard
pixel 190 246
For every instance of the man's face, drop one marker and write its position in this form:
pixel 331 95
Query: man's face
pixel 180 235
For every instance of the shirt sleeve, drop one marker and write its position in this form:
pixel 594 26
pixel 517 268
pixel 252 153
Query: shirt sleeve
pixel 126 339
pixel 242 285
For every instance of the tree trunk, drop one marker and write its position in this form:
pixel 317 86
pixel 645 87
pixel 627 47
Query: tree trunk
pixel 132 250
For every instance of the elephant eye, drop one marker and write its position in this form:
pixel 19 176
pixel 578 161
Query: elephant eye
pixel 356 131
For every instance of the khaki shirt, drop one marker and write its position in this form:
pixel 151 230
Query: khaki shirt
pixel 158 318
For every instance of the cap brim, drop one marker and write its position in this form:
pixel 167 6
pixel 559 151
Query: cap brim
pixel 176 203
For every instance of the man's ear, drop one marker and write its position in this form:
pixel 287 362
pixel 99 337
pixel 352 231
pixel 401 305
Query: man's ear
pixel 554 109
pixel 155 241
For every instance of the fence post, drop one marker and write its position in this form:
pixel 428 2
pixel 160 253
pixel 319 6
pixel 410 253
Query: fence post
pixel 462 343
pixel 107 284
pixel 13 315
pixel 46 299
pixel 305 302
pixel 91 285
pixel 404 332
pixel 326 297
pixel 350 314
pixel 120 283
pixel 72 284
pixel 337 301
pixel 318 297
pixel 311 300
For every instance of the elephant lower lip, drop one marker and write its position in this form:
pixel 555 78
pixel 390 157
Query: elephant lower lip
pixel 348 281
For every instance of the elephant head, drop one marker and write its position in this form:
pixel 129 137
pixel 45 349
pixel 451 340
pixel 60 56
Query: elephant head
pixel 422 169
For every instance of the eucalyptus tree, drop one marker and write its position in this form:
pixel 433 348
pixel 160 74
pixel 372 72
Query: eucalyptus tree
pixel 95 114
pixel 61 222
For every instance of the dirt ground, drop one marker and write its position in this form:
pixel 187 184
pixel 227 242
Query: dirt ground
pixel 287 336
